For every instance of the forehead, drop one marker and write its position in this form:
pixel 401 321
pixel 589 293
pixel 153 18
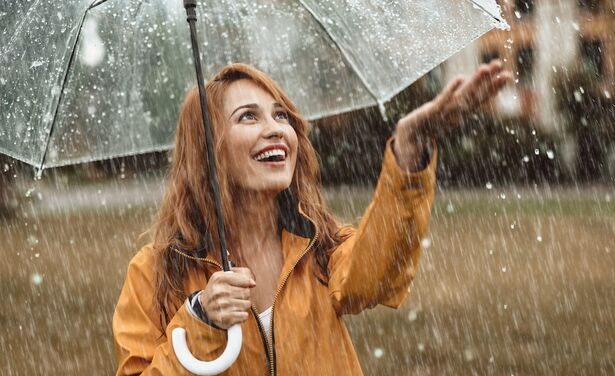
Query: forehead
pixel 245 91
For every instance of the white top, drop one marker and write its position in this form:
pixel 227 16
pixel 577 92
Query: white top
pixel 265 318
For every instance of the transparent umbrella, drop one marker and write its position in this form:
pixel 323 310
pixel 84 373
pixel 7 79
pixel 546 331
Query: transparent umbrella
pixel 86 80
pixel 111 90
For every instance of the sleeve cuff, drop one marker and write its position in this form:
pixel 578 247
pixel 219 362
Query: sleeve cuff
pixel 195 308
pixel 424 179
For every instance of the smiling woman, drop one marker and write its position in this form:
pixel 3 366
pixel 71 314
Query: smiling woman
pixel 297 270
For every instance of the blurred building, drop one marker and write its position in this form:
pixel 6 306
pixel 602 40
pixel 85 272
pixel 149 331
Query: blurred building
pixel 546 37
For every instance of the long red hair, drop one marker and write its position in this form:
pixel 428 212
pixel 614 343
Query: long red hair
pixel 186 219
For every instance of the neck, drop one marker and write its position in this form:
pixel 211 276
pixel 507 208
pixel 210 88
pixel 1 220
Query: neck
pixel 256 225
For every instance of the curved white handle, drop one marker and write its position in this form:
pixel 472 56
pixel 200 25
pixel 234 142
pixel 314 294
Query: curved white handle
pixel 199 367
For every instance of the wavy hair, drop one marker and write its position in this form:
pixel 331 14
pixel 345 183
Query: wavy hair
pixel 186 219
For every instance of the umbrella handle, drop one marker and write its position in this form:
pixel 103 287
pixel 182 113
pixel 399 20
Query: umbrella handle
pixel 200 367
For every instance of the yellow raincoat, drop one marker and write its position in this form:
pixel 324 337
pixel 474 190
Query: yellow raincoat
pixel 375 265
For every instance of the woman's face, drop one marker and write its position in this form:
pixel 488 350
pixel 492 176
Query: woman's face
pixel 259 142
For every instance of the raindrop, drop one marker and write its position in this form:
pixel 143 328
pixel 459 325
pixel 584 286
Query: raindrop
pixel 32 240
pixel 413 315
pixel 468 355
pixel 378 352
pixel 421 347
pixel 504 269
pixel 526 158
pixel 536 151
pixel 550 154
pixel 539 238
pixel 426 243
pixel 576 26
pixel 36 279
pixel 489 185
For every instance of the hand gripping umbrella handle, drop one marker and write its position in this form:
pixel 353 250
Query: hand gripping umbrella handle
pixel 200 367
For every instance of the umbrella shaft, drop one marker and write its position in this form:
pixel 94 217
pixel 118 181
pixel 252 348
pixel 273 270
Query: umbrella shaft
pixel 190 6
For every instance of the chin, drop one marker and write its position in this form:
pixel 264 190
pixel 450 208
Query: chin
pixel 273 186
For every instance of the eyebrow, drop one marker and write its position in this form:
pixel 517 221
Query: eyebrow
pixel 253 106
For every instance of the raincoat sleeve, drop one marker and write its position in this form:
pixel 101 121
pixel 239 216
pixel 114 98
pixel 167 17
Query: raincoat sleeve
pixel 141 346
pixel 378 261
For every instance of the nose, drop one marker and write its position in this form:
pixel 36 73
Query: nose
pixel 273 129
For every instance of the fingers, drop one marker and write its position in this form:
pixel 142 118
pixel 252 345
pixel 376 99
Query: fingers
pixel 450 90
pixel 244 271
pixel 484 84
pixel 226 298
pixel 240 277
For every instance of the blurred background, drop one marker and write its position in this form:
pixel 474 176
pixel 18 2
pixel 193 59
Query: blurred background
pixel 517 270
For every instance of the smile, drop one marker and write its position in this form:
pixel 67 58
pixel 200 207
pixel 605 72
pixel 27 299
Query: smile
pixel 271 155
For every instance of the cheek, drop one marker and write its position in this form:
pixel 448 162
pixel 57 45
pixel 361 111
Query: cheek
pixel 237 146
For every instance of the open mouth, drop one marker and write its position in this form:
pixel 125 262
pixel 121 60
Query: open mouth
pixel 272 155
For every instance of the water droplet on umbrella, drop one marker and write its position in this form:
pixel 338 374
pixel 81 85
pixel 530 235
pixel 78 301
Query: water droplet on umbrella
pixel 36 63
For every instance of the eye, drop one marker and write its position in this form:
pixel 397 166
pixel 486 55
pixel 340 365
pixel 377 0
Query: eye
pixel 248 115
pixel 281 115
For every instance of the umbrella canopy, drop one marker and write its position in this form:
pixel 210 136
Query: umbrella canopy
pixel 89 80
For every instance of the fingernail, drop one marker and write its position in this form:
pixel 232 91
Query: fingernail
pixel 252 281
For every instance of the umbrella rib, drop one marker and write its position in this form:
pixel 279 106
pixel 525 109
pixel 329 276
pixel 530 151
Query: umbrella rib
pixel 482 7
pixel 64 81
pixel 97 3
pixel 347 58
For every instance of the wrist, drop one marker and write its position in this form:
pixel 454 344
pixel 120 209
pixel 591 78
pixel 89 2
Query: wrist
pixel 199 308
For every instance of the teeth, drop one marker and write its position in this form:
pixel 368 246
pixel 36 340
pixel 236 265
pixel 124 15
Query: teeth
pixel 270 153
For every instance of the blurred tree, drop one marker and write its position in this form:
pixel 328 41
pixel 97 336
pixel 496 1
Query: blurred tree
pixel 588 108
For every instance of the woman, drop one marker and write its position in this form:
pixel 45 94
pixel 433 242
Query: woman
pixel 297 270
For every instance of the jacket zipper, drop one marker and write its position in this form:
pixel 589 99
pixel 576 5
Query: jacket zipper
pixel 268 343
pixel 259 324
pixel 275 297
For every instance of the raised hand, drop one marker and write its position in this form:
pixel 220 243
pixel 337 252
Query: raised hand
pixel 458 100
